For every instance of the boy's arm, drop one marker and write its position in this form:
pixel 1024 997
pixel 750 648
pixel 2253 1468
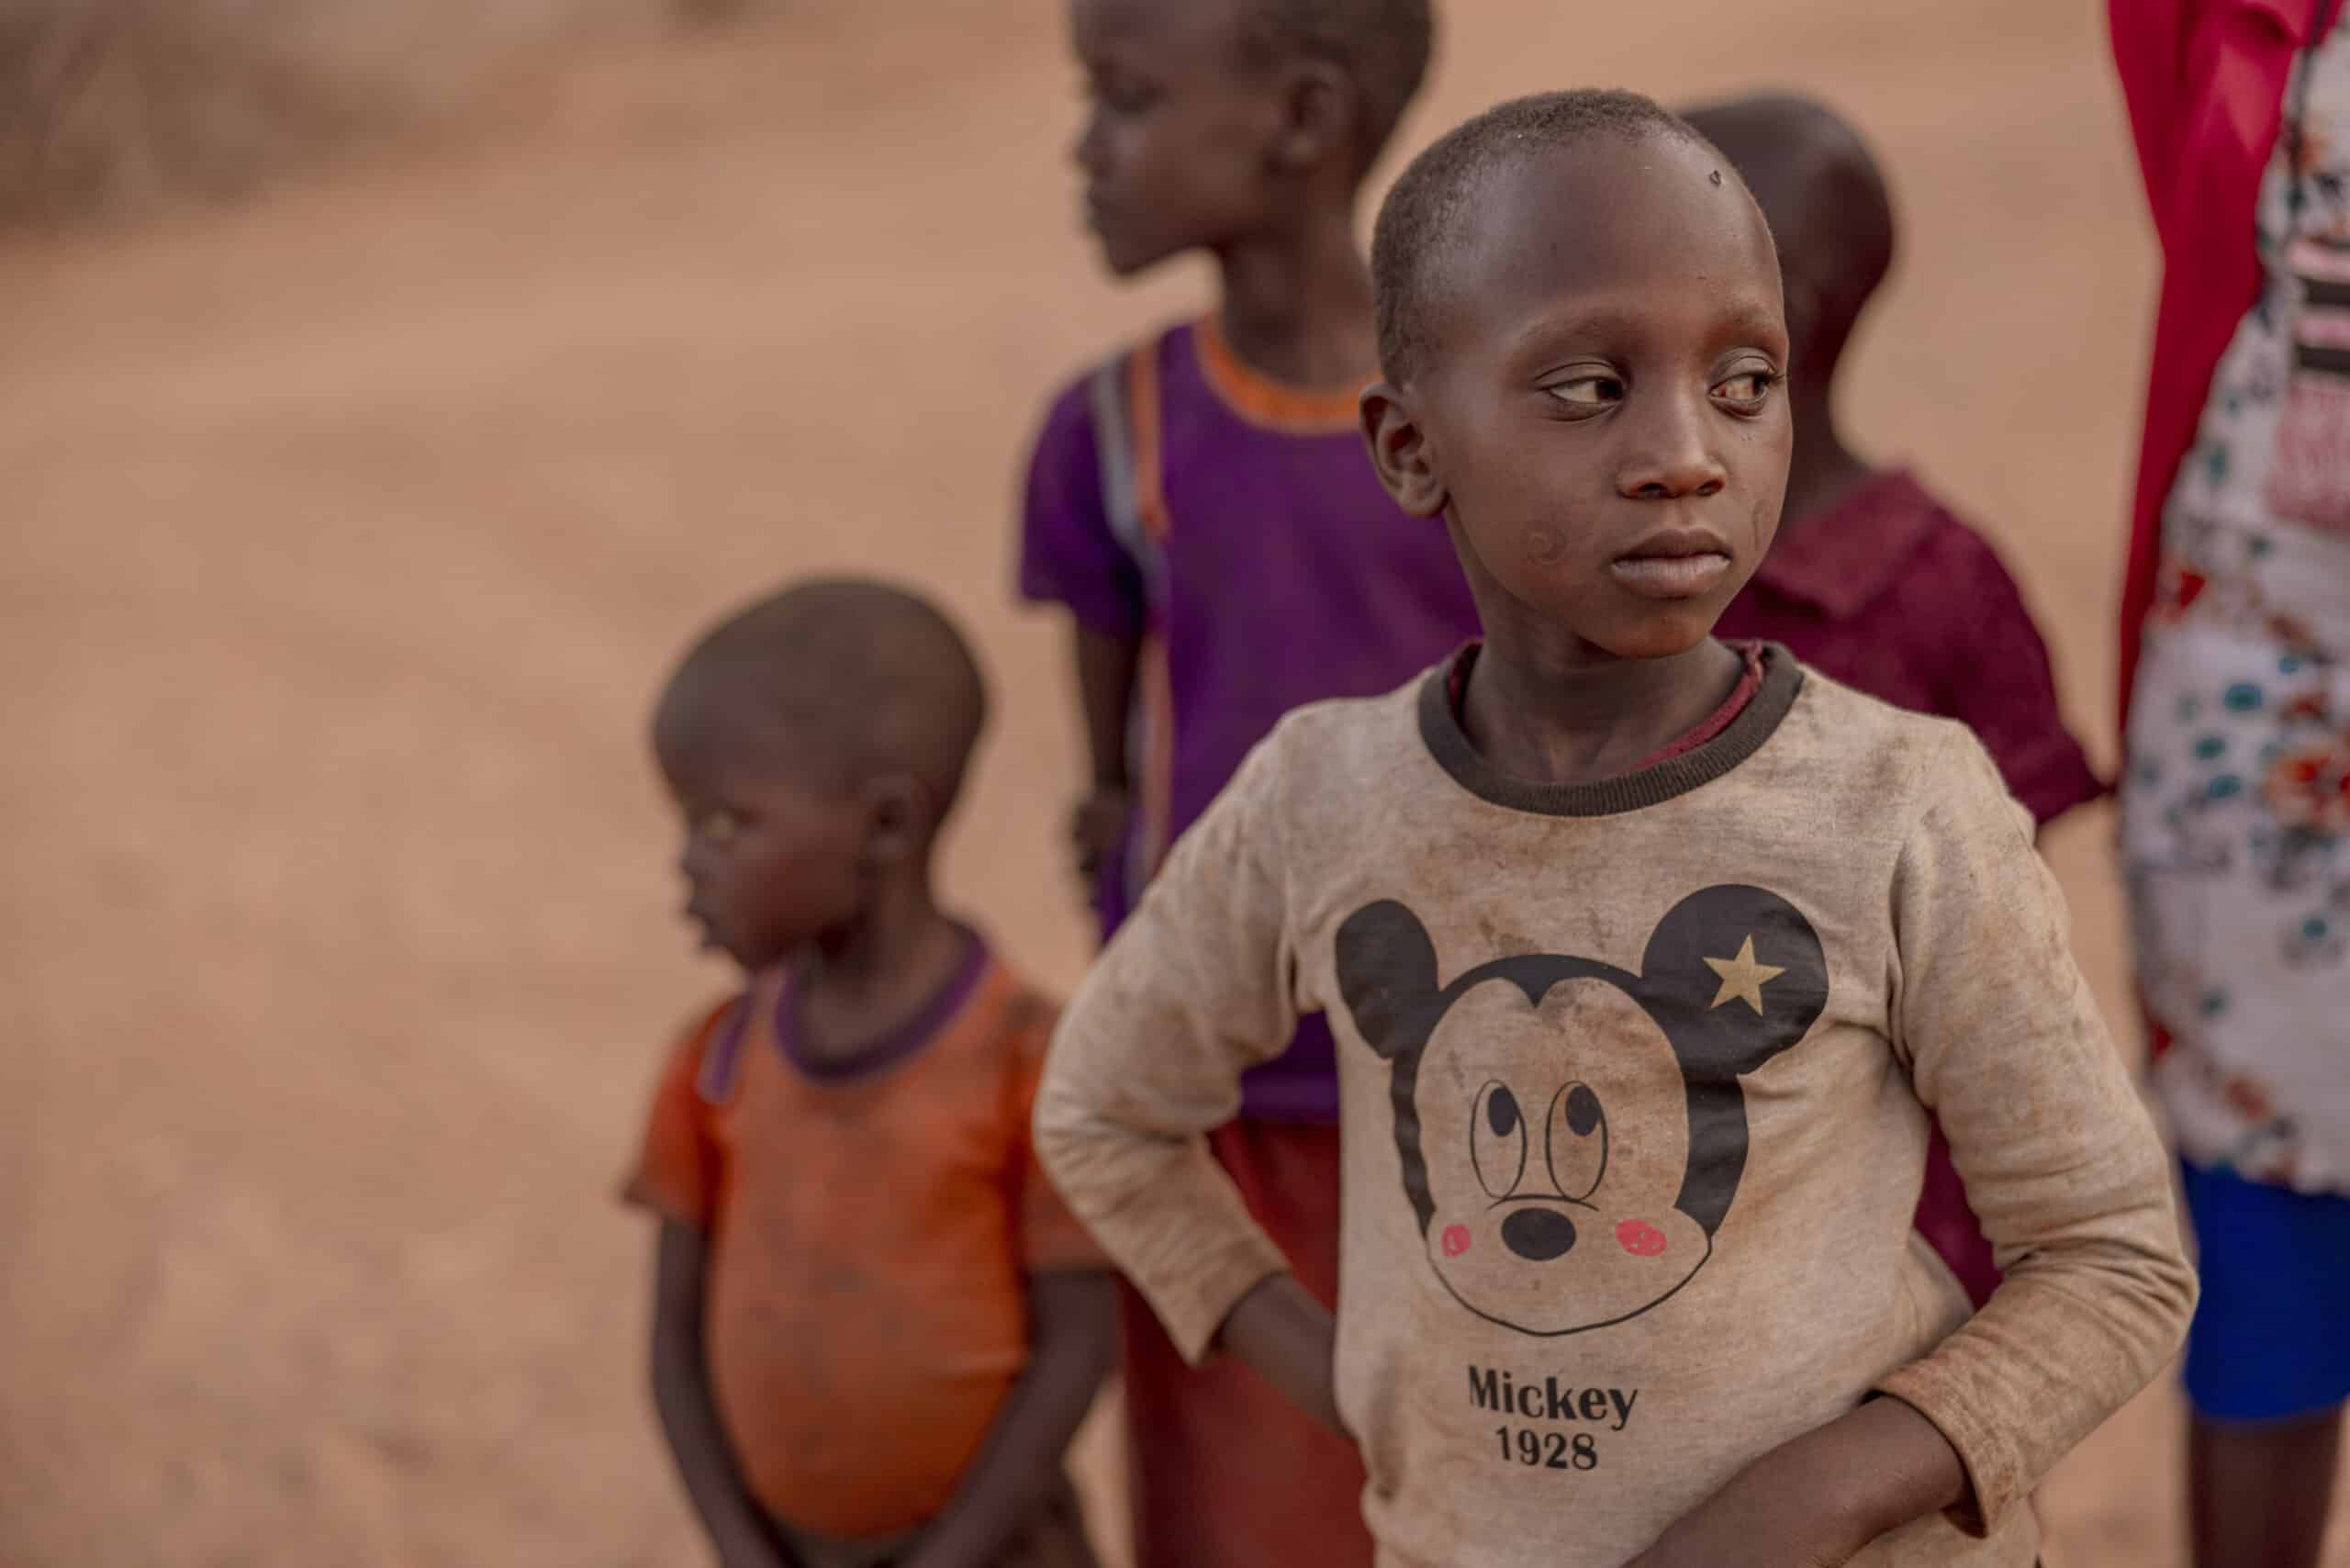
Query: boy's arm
pixel 2061 1163
pixel 1105 685
pixel 1817 1501
pixel 738 1529
pixel 1072 1326
pixel 1293 1342
pixel 1196 988
pixel 1070 554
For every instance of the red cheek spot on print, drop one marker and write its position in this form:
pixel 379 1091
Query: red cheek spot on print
pixel 1456 1240
pixel 1641 1239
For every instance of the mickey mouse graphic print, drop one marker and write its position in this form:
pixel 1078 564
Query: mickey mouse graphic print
pixel 1634 1083
pixel 1555 1222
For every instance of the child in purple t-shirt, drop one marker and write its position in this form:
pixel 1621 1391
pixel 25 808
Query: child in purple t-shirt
pixel 1202 506
pixel 1872 580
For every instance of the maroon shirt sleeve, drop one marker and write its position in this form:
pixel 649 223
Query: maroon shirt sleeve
pixel 2006 693
pixel 1068 553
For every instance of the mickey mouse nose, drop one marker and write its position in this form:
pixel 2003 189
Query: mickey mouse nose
pixel 1539 1235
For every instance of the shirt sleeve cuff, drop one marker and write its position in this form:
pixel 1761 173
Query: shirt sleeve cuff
pixel 2062 788
pixel 1193 1311
pixel 1993 1484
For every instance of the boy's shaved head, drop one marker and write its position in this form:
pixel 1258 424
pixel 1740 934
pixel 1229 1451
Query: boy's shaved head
pixel 1383 46
pixel 1423 212
pixel 1826 203
pixel 846 678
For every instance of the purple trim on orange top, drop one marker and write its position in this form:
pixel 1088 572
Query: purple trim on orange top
pixel 898 1043
pixel 1259 399
pixel 716 1081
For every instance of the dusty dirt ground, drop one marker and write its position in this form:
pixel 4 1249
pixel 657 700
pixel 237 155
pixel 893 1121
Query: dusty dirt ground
pixel 350 531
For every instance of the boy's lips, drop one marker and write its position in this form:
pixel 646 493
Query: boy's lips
pixel 1673 563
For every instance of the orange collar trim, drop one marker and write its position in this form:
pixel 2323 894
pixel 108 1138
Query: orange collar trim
pixel 1295 410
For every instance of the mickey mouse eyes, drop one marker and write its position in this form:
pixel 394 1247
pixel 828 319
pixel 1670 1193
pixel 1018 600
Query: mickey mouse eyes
pixel 1574 1141
pixel 1497 1139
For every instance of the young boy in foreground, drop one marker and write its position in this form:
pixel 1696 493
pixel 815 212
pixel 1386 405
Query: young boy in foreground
pixel 1648 956
pixel 876 1327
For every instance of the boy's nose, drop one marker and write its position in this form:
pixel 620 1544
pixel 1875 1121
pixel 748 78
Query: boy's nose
pixel 1086 151
pixel 1672 456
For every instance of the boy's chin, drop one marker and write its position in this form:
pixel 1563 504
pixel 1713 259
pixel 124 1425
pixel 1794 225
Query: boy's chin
pixel 1658 634
pixel 1126 258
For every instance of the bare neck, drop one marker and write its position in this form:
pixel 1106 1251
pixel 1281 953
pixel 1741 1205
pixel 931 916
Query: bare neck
pixel 1545 706
pixel 1297 302
pixel 877 972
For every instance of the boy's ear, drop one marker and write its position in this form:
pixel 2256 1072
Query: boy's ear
pixel 897 812
pixel 1399 451
pixel 1318 114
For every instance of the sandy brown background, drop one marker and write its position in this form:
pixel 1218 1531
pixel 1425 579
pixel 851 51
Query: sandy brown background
pixel 349 530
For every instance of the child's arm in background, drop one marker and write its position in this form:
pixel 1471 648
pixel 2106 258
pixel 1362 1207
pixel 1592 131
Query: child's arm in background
pixel 1071 555
pixel 1195 989
pixel 2005 1045
pixel 1105 686
pixel 737 1527
pixel 1072 1328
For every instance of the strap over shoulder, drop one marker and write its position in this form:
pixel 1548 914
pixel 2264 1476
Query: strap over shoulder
pixel 1127 434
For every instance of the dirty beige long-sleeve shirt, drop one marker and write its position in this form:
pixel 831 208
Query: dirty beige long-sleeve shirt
pixel 1634 1084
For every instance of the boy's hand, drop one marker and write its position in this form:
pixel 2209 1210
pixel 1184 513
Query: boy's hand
pixel 1280 1329
pixel 1816 1502
pixel 1097 828
pixel 1751 1524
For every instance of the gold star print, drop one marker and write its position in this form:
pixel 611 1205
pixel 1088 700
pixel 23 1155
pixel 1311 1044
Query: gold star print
pixel 1744 978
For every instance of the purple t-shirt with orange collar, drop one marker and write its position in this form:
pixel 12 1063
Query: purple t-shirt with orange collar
pixel 1263 568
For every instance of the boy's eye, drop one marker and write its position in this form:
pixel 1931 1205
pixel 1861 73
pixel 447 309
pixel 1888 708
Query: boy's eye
pixel 1119 95
pixel 1588 391
pixel 719 826
pixel 1747 390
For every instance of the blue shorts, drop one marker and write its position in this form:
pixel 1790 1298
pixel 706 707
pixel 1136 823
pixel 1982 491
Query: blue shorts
pixel 2271 1337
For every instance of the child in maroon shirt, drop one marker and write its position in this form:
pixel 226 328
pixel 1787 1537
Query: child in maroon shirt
pixel 1872 581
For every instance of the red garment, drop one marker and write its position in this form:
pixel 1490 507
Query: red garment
pixel 1891 593
pixel 2205 81
pixel 1226 1471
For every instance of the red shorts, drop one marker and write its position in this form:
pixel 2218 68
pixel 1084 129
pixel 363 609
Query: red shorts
pixel 1227 1473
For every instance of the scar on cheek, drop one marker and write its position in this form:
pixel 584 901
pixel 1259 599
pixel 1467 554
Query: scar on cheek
pixel 1716 177
pixel 1456 1240
pixel 1541 546
pixel 1641 1239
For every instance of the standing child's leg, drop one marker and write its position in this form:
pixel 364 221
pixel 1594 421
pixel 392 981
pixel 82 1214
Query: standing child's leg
pixel 2260 1491
pixel 1226 1471
pixel 2267 1369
